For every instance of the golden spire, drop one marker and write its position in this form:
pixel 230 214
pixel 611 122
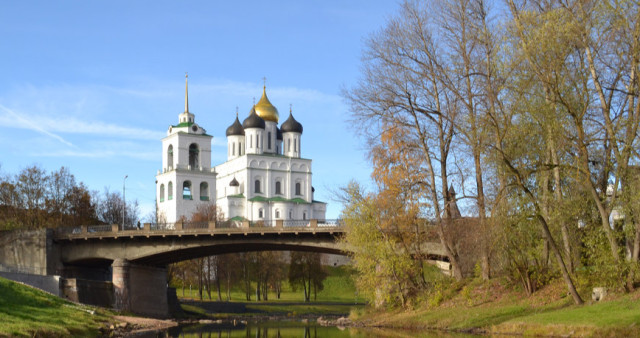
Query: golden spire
pixel 186 92
pixel 265 109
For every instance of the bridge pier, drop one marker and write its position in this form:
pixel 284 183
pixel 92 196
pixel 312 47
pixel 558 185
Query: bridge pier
pixel 140 289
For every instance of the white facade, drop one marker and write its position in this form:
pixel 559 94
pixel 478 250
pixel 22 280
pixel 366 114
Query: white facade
pixel 264 178
pixel 187 179
pixel 271 181
pixel 271 187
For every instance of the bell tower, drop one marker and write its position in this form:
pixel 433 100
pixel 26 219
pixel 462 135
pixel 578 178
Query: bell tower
pixel 187 179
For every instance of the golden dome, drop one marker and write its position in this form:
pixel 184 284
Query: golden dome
pixel 265 109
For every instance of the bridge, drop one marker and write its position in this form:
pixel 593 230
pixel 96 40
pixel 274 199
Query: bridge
pixel 126 268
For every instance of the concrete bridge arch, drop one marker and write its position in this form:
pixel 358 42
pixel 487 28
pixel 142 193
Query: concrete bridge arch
pixel 135 261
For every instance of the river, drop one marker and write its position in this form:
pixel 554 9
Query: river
pixel 287 328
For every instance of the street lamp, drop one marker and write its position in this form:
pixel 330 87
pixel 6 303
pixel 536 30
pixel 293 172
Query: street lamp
pixel 124 200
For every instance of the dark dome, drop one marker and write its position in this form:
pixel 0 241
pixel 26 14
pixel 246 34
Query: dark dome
pixel 235 129
pixel 234 183
pixel 278 134
pixel 291 125
pixel 253 121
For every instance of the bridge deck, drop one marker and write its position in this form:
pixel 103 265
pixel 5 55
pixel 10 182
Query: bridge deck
pixel 113 231
pixel 162 243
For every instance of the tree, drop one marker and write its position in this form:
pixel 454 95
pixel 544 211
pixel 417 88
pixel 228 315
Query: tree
pixel 306 271
pixel 402 87
pixel 31 185
pixel 534 112
pixel 110 209
pixel 387 273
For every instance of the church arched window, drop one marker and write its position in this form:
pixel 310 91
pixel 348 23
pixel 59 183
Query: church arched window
pixel 162 192
pixel 295 142
pixel 298 188
pixel 170 190
pixel 256 186
pixel 233 149
pixel 170 156
pixel 290 214
pixel 186 190
pixel 277 214
pixel 261 213
pixel 288 144
pixel 269 140
pixel 194 154
pixel 304 215
pixel 204 191
pixel 278 188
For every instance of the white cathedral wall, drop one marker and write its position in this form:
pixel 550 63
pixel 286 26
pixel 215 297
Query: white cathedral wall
pixel 319 211
pixel 178 207
pixel 235 144
pixel 291 144
pixel 166 207
pixel 231 207
pixel 270 132
pixel 269 169
pixel 204 147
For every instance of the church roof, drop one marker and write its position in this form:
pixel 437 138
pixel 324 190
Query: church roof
pixel 291 125
pixel 253 121
pixel 234 183
pixel 235 128
pixel 453 204
pixel 265 109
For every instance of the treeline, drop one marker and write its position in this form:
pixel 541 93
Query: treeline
pixel 35 198
pixel 254 273
pixel 530 109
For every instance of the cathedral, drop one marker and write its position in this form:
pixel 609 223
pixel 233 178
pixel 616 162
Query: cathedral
pixel 264 179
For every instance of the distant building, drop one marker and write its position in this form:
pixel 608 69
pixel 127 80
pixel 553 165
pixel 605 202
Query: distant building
pixel 264 178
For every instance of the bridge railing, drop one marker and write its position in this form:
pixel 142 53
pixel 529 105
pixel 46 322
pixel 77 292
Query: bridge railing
pixel 290 223
pixel 161 226
pixel 262 224
pixel 197 227
pixel 68 230
pixel 228 224
pixel 99 228
pixel 331 222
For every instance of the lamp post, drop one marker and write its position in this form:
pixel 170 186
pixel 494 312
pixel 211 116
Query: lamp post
pixel 124 200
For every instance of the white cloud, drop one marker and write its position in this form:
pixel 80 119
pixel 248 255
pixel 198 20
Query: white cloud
pixel 68 125
pixel 12 119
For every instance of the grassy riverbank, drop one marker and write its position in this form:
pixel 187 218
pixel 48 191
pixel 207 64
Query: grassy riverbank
pixel 25 311
pixel 492 308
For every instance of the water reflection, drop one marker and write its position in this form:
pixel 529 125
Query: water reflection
pixel 292 329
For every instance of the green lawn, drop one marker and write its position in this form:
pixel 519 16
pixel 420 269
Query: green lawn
pixel 337 297
pixel 338 287
pixel 25 311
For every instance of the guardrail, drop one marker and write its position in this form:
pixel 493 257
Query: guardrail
pixel 211 227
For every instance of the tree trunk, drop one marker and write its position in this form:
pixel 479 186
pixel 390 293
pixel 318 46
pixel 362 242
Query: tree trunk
pixel 545 228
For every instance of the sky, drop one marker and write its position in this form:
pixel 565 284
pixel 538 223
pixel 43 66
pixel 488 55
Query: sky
pixel 94 85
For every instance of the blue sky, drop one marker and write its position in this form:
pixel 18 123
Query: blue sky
pixel 94 85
